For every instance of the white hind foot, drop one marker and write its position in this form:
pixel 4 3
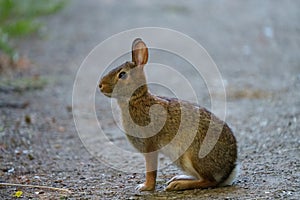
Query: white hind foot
pixel 181 177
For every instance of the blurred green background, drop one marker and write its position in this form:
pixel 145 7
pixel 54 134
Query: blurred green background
pixel 22 18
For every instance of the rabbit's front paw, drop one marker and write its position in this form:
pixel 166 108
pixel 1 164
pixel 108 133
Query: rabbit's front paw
pixel 144 187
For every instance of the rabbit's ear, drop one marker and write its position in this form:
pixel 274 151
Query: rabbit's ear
pixel 139 52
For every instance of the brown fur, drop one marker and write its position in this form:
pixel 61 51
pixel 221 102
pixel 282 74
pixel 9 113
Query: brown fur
pixel 135 102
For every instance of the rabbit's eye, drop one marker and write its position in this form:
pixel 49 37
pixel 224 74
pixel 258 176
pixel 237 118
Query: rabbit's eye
pixel 122 75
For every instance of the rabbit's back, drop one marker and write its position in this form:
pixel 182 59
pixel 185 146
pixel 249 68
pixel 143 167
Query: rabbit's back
pixel 185 126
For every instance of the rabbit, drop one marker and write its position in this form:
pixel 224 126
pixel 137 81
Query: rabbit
pixel 127 83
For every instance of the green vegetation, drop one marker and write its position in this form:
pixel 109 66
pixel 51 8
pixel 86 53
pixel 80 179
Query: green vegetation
pixel 22 84
pixel 21 18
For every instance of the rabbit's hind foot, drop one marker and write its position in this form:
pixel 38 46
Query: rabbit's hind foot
pixel 181 177
pixel 190 184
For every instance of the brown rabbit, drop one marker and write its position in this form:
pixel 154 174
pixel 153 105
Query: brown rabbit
pixel 174 127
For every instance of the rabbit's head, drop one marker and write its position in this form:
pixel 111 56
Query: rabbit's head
pixel 128 79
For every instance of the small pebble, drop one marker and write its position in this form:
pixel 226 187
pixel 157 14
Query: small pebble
pixel 11 170
pixel 268 32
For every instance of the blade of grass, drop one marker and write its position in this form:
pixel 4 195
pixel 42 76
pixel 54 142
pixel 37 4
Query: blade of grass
pixel 6 7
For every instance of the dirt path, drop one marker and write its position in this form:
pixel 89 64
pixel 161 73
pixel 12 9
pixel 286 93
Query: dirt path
pixel 256 46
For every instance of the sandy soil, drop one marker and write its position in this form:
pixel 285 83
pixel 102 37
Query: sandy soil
pixel 256 46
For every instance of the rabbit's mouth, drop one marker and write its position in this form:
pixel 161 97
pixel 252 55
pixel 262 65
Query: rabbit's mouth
pixel 107 94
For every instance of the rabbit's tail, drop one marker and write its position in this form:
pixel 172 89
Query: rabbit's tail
pixel 234 173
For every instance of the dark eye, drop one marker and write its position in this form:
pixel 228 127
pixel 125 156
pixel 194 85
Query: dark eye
pixel 123 75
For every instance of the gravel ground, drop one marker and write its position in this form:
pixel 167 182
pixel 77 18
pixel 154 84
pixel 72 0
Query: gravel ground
pixel 256 46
